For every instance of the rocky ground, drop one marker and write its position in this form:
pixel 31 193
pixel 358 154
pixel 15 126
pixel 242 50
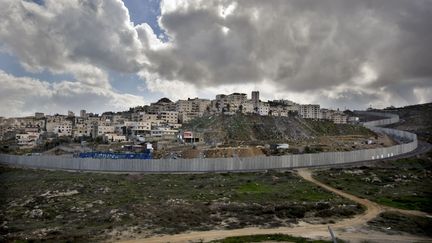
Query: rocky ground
pixel 404 183
pixel 415 118
pixel 59 206
pixel 242 129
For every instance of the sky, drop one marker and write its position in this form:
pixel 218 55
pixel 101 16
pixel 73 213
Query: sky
pixel 109 55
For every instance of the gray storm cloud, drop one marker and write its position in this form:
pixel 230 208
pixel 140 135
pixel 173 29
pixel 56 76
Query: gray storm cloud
pixel 345 52
pixel 301 46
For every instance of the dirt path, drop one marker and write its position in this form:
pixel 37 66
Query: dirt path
pixel 373 209
pixel 351 229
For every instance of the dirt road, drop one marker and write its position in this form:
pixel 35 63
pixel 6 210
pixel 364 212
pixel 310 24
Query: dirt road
pixel 352 229
pixel 373 209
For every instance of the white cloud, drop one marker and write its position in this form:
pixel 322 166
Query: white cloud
pixel 350 51
pixel 424 95
pixel 333 52
pixel 72 36
pixel 24 96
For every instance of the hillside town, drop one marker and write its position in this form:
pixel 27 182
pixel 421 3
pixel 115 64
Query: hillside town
pixel 157 121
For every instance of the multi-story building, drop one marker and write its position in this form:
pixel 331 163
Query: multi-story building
pixel 184 106
pixel 229 103
pixel 200 105
pixel 81 130
pixel 337 117
pixel 101 130
pixel 148 117
pixel 310 111
pixel 28 139
pixel 263 108
pixel 23 122
pixel 83 113
pixel 293 108
pixel 39 115
pixel 255 100
pixel 278 111
pixel 113 137
pixel 117 119
pixel 143 127
pixel 163 131
pixel 340 118
pixel 63 128
pixel 193 105
pixel 247 107
pixel 170 117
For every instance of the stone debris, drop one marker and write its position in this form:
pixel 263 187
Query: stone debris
pixel 35 213
pixel 354 172
pixel 51 194
pixel 77 209
pixel 117 215
pixel 100 202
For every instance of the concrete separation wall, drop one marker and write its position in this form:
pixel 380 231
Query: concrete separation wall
pixel 227 164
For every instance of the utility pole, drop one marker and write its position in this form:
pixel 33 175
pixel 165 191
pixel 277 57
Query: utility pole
pixel 332 235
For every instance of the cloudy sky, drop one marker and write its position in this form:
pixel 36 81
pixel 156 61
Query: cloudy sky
pixel 59 55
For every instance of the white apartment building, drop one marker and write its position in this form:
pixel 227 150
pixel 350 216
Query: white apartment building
pixel 263 108
pixel 234 101
pixel 101 130
pixel 83 113
pixel 23 122
pixel 117 120
pixel 293 108
pixel 185 117
pixel 339 118
pixel 247 107
pixel 170 117
pixel 193 105
pixel 142 127
pixel 28 139
pixel 112 137
pixel 184 106
pixel 201 105
pixel 148 117
pixel 81 130
pixel 229 102
pixel 336 117
pixel 130 124
pixel 278 111
pixel 310 111
pixel 163 132
pixel 54 121
pixel 63 128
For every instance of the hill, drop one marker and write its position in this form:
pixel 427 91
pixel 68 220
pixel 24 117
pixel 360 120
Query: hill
pixel 415 118
pixel 254 129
